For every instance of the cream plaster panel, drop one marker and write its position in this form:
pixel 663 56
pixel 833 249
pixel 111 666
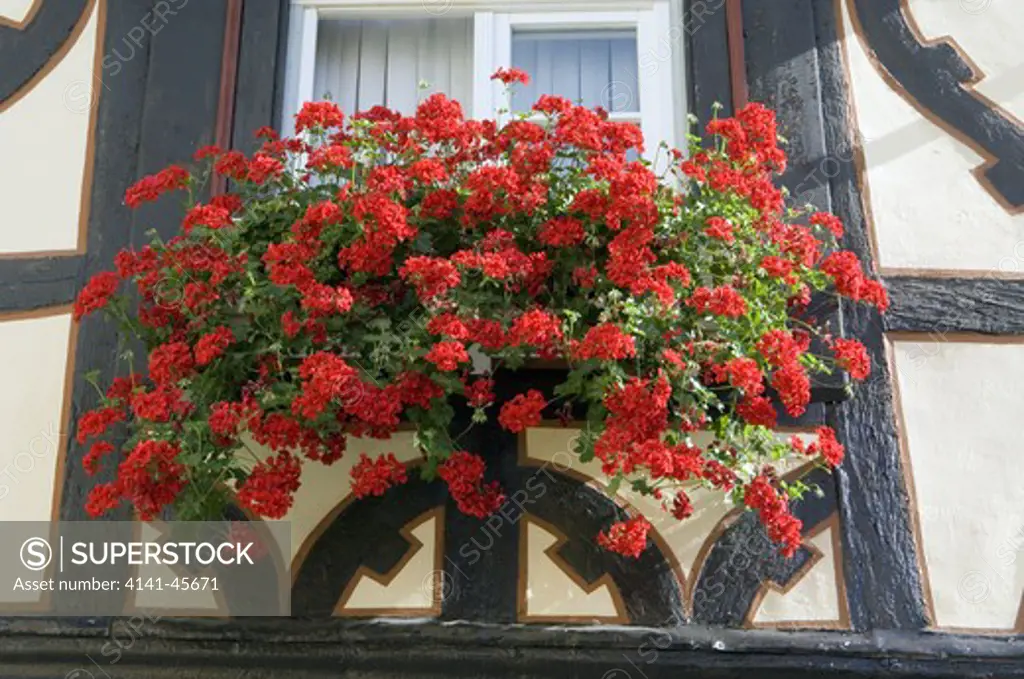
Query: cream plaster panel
pixel 203 601
pixel 325 486
pixel 928 210
pixel 33 370
pixel 814 598
pixel 15 11
pixel 554 445
pixel 45 139
pixel 988 31
pixel 414 587
pixel 961 405
pixel 550 591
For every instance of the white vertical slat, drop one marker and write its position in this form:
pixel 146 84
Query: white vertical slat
pixel 460 85
pixel 625 86
pixel 326 69
pixel 653 28
pixel 301 67
pixel 346 88
pixel 595 72
pixel 373 57
pixel 484 30
pixel 676 37
pixel 402 55
pixel 432 62
pixel 545 67
pixel 502 59
pixel 565 74
pixel 524 56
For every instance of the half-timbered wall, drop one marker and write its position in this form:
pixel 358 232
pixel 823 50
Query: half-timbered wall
pixel 903 117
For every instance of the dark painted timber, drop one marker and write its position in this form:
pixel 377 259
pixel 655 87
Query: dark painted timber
pixel 118 120
pixel 378 650
pixel 118 125
pixel 883 577
pixel 160 104
pixel 32 283
pixel 706 35
pixel 366 534
pixel 744 559
pixel 938 306
pixel 481 562
pixel 26 52
pixel 938 78
pixel 257 91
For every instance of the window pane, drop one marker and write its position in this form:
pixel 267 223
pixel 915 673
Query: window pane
pixel 595 68
pixel 360 64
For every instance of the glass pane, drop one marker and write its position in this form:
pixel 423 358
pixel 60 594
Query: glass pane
pixel 595 68
pixel 360 64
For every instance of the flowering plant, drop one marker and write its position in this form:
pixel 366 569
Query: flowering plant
pixel 348 280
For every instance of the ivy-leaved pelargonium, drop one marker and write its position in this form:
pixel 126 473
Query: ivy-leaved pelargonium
pixel 379 269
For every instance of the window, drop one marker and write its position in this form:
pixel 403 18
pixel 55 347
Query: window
pixel 362 63
pixel 397 52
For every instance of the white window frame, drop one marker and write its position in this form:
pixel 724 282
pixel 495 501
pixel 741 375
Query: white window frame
pixel 661 82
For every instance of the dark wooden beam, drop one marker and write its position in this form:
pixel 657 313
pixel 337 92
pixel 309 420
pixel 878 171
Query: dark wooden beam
pixel 706 36
pixel 378 650
pixel 938 306
pixel 33 282
pixel 260 78
pixel 883 577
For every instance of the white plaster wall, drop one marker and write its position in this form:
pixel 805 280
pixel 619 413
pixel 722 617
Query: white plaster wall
pixel 15 11
pixel 928 210
pixel 415 587
pixel 989 32
pixel 961 404
pixel 550 591
pixel 814 600
pixel 33 372
pixel 45 138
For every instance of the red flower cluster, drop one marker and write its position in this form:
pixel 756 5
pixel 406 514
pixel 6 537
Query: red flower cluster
pixel 511 75
pixel 376 476
pixel 303 308
pixel 848 275
pixel 322 114
pixel 149 477
pixel 464 474
pixel 432 277
pixel 722 301
pixel 852 357
pixel 96 293
pixel 152 187
pixel 605 342
pixel 522 412
pixel 270 487
pixel 212 344
pixel 448 355
pixel 628 538
pixel 783 527
pixel 827 446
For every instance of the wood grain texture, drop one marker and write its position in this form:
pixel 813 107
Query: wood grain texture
pixel 260 58
pixel 308 649
pixel 32 283
pixel 883 577
pixel 706 33
pixel 946 305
